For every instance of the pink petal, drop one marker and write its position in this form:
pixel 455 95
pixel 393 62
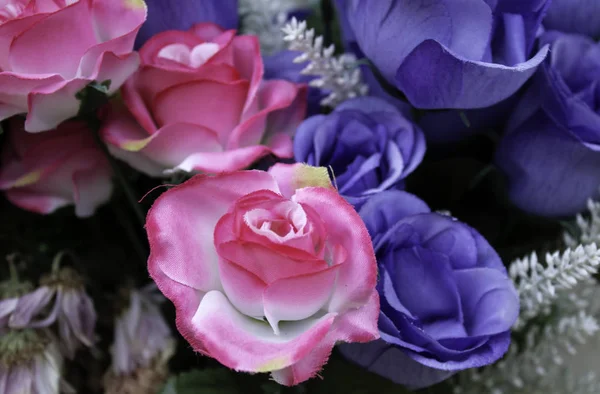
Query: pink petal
pixel 291 177
pixel 180 103
pixel 119 129
pixel 248 61
pixel 9 30
pixel 16 87
pixel 181 223
pixel 52 104
pixel 273 96
pixel 227 161
pixel 246 344
pixel 70 33
pixel 166 148
pixel 358 275
pixel 208 31
pixel 298 297
pixel 92 186
pixel 151 48
pixel 266 262
pixel 129 14
pixel 243 289
pixel 356 325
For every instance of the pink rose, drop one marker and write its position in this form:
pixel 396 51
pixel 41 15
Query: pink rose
pixel 46 171
pixel 261 281
pixel 199 103
pixel 51 49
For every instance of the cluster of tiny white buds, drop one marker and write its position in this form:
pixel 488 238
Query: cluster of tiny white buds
pixel 588 228
pixel 339 75
pixel 534 365
pixel 539 284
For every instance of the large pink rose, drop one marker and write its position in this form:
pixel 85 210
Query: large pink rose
pixel 264 281
pixel 199 103
pixel 51 49
pixel 46 171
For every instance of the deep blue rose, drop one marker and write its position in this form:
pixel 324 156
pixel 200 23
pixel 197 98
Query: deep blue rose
pixel 551 150
pixel 368 143
pixel 447 303
pixel 281 66
pixel 574 16
pixel 183 14
pixel 448 53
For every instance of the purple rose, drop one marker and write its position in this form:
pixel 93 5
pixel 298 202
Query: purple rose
pixel 447 303
pixel 551 149
pixel 368 143
pixel 182 14
pixel 451 53
pixel 574 16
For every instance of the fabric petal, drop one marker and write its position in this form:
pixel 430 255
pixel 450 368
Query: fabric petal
pixel 489 300
pixel 392 363
pixel 358 275
pixel 192 211
pixel 457 82
pixel 246 344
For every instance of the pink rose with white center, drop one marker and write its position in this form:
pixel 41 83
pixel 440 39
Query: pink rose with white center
pixel 266 275
pixel 199 103
pixel 42 172
pixel 51 49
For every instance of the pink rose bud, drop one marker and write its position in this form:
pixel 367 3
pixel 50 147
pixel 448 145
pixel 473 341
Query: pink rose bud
pixel 199 103
pixel 46 171
pixel 267 272
pixel 51 49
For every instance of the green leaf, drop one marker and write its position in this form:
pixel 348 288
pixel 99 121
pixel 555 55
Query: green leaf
pixel 205 381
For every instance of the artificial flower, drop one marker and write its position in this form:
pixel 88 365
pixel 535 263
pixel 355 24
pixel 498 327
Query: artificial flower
pixel 447 303
pixel 43 172
pixel 51 49
pixel 267 271
pixel 550 152
pixel 368 144
pixel 199 103
pixel 448 54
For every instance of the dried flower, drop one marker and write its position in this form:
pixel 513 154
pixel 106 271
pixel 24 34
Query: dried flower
pixel 69 305
pixel 141 334
pixel 30 362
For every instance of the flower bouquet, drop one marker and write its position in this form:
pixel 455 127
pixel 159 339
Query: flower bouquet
pixel 299 196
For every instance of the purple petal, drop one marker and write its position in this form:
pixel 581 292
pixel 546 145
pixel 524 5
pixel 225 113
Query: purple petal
pixel 183 14
pixel 489 300
pixel 387 30
pixel 575 16
pixel 385 209
pixel 30 305
pixel 424 284
pixel 392 363
pixel 19 379
pixel 491 351
pixel 456 82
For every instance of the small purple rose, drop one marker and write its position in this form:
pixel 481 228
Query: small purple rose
pixel 368 144
pixel 447 303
